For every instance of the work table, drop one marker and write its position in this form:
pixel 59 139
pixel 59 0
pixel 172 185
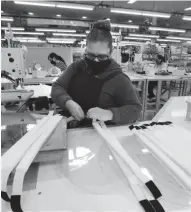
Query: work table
pixel 85 177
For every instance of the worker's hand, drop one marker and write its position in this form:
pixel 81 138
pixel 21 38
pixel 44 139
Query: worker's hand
pixel 100 114
pixel 75 110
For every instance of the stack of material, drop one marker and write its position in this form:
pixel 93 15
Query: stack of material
pixel 20 156
pixel 171 144
pixel 144 189
pixel 39 90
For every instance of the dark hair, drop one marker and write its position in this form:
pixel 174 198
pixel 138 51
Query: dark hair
pixel 52 55
pixel 101 32
pixel 160 57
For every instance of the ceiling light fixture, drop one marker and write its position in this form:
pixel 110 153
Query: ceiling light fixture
pixel 58 15
pixel 137 38
pixel 7 18
pixel 144 35
pixel 167 29
pixel 84 17
pixel 131 1
pixel 31 13
pixel 179 38
pixel 26 38
pixel 32 41
pixel 124 43
pixel 55 30
pixel 140 12
pixel 61 41
pixel 35 3
pixel 155 14
pixel 187 9
pixel 75 6
pixel 125 26
pixel 130 21
pixel 28 33
pixel 168 40
pixel 188 42
pixel 125 11
pixel 112 33
pixel 186 18
pixel 69 35
pixel 13 28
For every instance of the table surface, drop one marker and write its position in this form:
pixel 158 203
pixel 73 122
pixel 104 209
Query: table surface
pixel 87 178
pixel 175 110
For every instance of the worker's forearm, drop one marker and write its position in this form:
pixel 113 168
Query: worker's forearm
pixel 59 95
pixel 126 114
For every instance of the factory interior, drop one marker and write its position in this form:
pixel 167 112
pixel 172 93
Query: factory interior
pixel 95 106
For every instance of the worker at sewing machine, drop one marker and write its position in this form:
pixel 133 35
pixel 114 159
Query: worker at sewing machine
pixel 57 61
pixel 161 69
pixel 95 87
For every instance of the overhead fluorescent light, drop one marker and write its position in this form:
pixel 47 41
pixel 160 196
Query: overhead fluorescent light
pixel 13 28
pixel 30 13
pixel 144 35
pixel 188 42
pixel 28 33
pixel 131 1
pixel 125 43
pixel 179 38
pixel 32 41
pixel 168 40
pixel 54 30
pixel 112 33
pixel 61 41
pixel 25 38
pixel 139 12
pixel 35 3
pixel 58 15
pixel 186 18
pixel 186 9
pixel 125 26
pixel 137 38
pixel 155 14
pixel 126 11
pixel 163 44
pixel 84 17
pixel 75 6
pixel 69 35
pixel 167 29
pixel 6 18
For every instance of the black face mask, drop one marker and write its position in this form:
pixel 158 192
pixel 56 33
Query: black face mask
pixel 97 67
pixel 53 62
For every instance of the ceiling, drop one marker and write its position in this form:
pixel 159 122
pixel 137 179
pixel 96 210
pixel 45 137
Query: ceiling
pixel 12 9
pixel 101 11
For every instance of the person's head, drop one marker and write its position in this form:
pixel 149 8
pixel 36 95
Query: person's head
pixel 53 58
pixel 99 42
pixel 159 59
